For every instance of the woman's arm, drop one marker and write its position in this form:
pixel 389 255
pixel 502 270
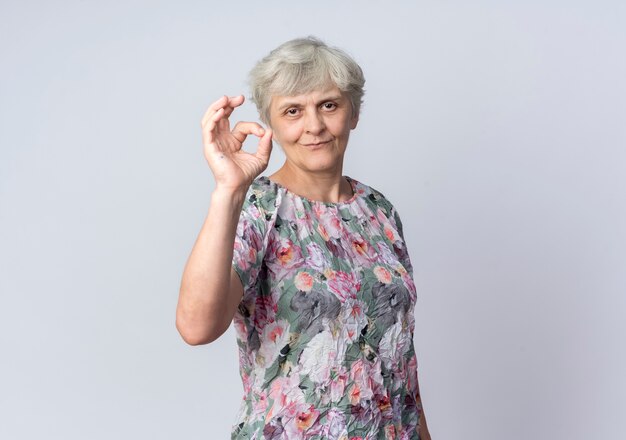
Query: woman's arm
pixel 424 434
pixel 210 289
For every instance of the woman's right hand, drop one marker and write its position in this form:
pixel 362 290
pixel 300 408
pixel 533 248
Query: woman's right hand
pixel 233 168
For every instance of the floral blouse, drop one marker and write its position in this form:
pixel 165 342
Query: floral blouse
pixel 325 325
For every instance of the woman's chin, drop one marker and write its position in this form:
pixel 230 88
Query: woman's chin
pixel 322 165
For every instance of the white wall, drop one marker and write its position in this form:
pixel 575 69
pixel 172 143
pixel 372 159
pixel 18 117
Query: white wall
pixel 497 129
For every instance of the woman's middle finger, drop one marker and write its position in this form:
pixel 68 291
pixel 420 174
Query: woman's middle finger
pixel 215 106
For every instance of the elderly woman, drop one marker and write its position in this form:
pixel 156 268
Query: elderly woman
pixel 310 265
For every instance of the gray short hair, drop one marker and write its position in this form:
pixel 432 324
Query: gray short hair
pixel 301 66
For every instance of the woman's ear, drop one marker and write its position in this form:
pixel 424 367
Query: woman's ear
pixel 354 121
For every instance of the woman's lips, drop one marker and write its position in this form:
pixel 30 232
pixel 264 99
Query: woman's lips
pixel 316 144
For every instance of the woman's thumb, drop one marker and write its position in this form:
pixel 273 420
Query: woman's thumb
pixel 265 146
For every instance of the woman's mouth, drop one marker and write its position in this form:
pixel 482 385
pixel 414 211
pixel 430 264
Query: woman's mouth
pixel 315 145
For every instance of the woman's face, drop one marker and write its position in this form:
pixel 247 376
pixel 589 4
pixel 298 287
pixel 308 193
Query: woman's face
pixel 313 128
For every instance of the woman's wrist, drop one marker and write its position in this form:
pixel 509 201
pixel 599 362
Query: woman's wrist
pixel 231 191
pixel 227 195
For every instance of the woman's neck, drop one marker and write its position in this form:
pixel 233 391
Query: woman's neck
pixel 324 186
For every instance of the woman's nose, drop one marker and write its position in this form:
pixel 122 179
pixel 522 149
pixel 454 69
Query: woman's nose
pixel 314 123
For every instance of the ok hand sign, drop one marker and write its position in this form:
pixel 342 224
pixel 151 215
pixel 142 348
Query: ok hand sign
pixel 232 167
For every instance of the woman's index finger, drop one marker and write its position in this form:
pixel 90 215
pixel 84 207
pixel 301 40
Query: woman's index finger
pixel 215 106
pixel 233 102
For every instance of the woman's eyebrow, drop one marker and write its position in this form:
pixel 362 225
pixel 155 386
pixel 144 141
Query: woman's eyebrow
pixel 286 105
pixel 330 98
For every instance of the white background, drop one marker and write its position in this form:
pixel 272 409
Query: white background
pixel 496 128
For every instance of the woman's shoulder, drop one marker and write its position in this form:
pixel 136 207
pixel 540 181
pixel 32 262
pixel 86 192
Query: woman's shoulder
pixel 380 204
pixel 261 198
pixel 261 190
pixel 373 196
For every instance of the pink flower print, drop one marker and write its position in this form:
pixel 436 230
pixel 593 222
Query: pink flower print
pixel 359 190
pixel 382 218
pixel 319 210
pixel 306 417
pixel 264 311
pixel 339 379
pixel 303 228
pixel 359 245
pixel 411 382
pixel 275 337
pixel 245 256
pixel 298 417
pixel 388 256
pixel 410 284
pixel 275 333
pixel 286 395
pixel 254 210
pixel 334 425
pixel 407 433
pixel 354 394
pixel 362 249
pixel 357 309
pixel 287 255
pixel 360 210
pixel 390 432
pixel 304 281
pixel 315 259
pixel 249 231
pixel 260 406
pixel 253 273
pixel 323 232
pixel 390 233
pixel 353 320
pixel 245 380
pixel 343 285
pixel 361 379
pixel 250 257
pixel 332 224
pixel 239 324
pixel 288 213
pixel 383 275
